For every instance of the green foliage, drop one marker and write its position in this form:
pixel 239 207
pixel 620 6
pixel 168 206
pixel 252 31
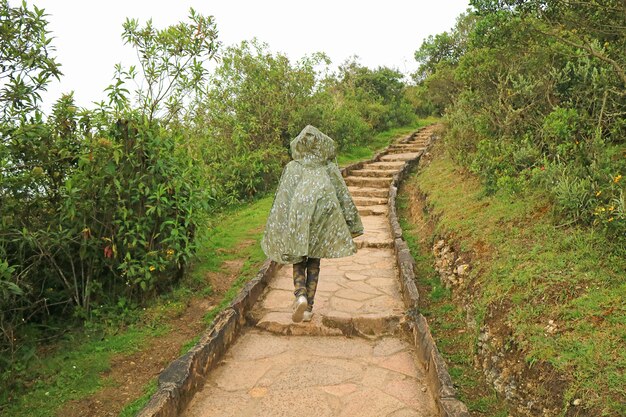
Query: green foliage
pixel 534 96
pixel 445 48
pixel 438 57
pixel 134 200
pixel 32 167
pixel 26 62
pixel 247 116
pixel 171 61
pixel 257 101
pixel 231 235
pixel 377 97
pixel 98 206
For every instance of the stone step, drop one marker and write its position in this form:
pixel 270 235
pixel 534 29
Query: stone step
pixel 377 233
pixel 395 166
pixel 369 192
pixel 377 210
pixel 412 148
pixel 386 168
pixel 332 323
pixel 409 144
pixel 374 244
pixel 400 156
pixel 379 173
pixel 369 201
pixel 405 150
pixel 368 182
pixel 420 142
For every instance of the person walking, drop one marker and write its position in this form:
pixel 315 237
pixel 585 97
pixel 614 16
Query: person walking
pixel 312 217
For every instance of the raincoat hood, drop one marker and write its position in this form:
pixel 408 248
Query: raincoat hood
pixel 312 145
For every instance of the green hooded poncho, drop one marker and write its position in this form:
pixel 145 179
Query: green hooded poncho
pixel 313 214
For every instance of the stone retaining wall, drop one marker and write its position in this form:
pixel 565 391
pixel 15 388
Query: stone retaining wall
pixel 437 371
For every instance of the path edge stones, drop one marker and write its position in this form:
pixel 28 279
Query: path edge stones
pixel 438 377
pixel 185 376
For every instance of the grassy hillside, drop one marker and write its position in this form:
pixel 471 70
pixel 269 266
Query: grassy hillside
pixel 550 295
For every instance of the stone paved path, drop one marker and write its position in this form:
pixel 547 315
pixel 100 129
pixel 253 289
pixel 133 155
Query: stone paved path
pixel 351 359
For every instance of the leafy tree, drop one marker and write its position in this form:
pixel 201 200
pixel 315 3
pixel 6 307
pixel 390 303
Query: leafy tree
pixel 378 96
pixel 444 49
pixel 26 64
pixel 99 204
pixel 536 100
pixel 248 115
pixel 539 85
pixel 438 57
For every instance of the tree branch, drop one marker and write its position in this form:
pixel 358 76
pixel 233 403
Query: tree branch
pixel 621 73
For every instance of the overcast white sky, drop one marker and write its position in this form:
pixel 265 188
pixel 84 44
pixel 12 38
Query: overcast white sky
pixel 382 33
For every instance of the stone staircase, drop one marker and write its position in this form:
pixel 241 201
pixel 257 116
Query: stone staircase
pixel 369 187
pixel 281 368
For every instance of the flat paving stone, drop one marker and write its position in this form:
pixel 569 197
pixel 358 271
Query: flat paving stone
pixel 277 299
pixel 316 375
pixel 355 276
pixel 352 294
pixel 388 346
pixel 372 210
pixel 363 288
pixel 407 156
pixel 377 232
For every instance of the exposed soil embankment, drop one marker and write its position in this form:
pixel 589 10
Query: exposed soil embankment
pixel 490 332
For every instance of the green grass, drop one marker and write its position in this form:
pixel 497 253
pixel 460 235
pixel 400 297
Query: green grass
pixel 234 234
pixel 571 275
pixel 134 407
pixel 74 371
pixel 378 142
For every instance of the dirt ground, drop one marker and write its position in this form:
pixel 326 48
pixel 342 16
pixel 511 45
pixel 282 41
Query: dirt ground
pixel 130 373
